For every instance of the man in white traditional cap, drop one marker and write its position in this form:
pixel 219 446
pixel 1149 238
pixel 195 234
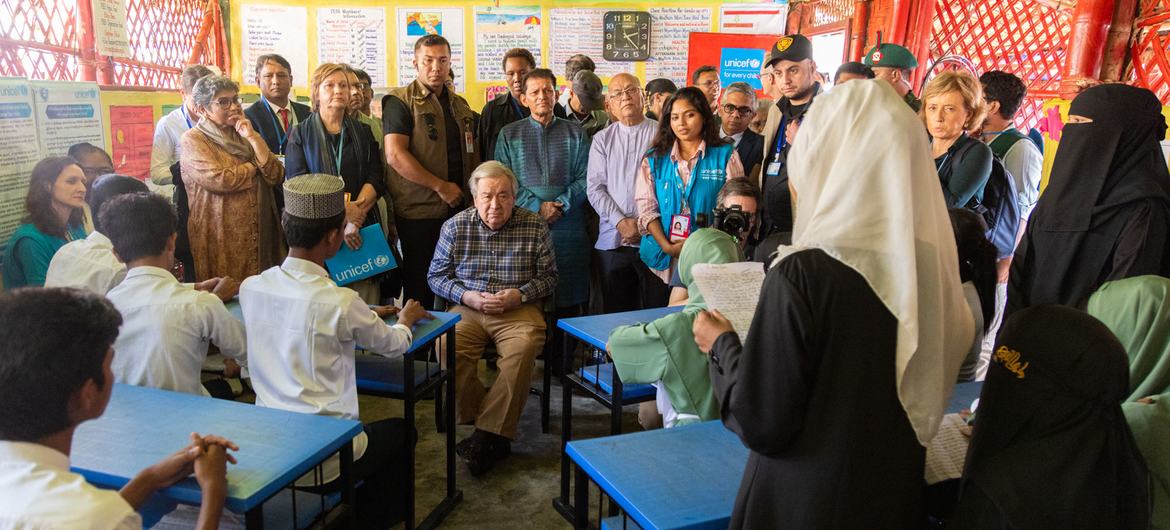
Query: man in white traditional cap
pixel 303 329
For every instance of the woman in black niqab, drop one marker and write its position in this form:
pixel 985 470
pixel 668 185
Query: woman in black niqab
pixel 1106 212
pixel 1051 448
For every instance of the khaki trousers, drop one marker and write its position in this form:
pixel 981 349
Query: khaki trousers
pixel 518 335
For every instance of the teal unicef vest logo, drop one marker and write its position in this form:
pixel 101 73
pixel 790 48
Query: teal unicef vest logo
pixel 707 178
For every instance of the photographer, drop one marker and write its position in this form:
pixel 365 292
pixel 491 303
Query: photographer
pixel 736 214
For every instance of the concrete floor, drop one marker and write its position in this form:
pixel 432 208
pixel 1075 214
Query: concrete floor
pixel 517 493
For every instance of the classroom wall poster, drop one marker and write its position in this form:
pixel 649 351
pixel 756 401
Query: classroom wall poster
pixel 738 57
pixel 499 29
pixel 18 155
pixel 669 30
pixel 132 134
pixel 109 25
pixel 753 18
pixel 67 113
pixel 580 30
pixel 354 36
pixel 415 22
pixel 275 29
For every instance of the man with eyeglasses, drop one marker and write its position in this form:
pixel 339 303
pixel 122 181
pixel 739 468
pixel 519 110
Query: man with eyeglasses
pixel 706 77
pixel 275 113
pixel 736 112
pixel 507 108
pixel 431 150
pixel 793 74
pixel 614 160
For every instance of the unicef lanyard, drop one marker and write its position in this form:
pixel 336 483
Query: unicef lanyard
pixel 340 143
pixel 281 134
pixel 183 110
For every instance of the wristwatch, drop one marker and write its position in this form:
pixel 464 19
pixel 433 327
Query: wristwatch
pixel 523 298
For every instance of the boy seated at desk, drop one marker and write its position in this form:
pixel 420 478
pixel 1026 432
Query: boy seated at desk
pixel 55 356
pixel 166 326
pixel 664 351
pixel 302 329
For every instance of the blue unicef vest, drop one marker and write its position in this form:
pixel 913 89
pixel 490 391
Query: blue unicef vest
pixel 707 178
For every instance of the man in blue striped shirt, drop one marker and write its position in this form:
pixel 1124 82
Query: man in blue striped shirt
pixel 495 263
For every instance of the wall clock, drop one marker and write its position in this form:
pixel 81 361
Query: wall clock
pixel 627 36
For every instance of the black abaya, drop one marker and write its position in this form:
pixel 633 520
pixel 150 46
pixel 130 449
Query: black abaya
pixel 813 396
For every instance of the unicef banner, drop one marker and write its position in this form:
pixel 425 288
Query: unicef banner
pixel 739 57
pixel 67 113
pixel 374 257
pixel 19 152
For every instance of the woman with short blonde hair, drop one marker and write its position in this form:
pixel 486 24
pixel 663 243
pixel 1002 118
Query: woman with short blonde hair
pixel 953 105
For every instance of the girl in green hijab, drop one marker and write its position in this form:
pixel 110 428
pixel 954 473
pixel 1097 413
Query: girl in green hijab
pixel 1137 311
pixel 664 350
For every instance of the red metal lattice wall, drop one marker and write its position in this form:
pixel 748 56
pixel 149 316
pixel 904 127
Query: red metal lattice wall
pixel 1150 53
pixel 39 39
pixel 827 12
pixel 1024 37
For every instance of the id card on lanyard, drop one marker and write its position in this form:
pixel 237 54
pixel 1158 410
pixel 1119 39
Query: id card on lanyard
pixel 773 169
pixel 281 134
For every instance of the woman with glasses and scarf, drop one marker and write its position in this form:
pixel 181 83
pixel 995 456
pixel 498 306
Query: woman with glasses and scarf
pixel 234 225
pixel 333 142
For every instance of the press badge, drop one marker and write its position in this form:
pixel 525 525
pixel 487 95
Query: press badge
pixel 680 227
pixel 773 169
pixel 469 142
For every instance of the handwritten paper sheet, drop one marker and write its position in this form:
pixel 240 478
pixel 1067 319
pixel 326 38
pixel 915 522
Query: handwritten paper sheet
pixel 670 29
pixel 354 36
pixel 275 29
pixel 947 453
pixel 109 25
pixel 415 22
pixel 580 30
pixel 733 289
pixel 499 29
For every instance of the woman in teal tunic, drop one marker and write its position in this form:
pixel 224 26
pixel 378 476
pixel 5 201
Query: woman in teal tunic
pixel 54 208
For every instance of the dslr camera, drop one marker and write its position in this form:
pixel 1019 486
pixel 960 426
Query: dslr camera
pixel 731 219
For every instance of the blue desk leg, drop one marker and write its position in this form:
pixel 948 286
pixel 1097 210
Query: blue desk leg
pixel 347 496
pixel 581 499
pixel 408 413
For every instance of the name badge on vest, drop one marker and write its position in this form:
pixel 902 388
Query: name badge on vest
pixel 680 227
pixel 773 169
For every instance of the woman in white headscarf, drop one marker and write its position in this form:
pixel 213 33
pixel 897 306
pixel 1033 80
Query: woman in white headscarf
pixel 859 332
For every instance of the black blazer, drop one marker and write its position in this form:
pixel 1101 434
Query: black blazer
pixel 262 120
pixel 750 151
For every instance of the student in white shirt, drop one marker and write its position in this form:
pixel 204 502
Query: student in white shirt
pixel 52 381
pixel 302 330
pixel 90 263
pixel 164 150
pixel 167 326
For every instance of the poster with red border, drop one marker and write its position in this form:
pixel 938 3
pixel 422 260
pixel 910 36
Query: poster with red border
pixel 730 52
pixel 132 131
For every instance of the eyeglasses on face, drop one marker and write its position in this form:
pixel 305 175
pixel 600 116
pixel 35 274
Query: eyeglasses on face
pixel 228 101
pixel 709 84
pixel 632 93
pixel 732 109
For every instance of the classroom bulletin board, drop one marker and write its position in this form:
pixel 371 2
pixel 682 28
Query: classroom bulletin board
pixel 377 36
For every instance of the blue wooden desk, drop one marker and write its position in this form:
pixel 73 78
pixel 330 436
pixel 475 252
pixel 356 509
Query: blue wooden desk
pixel 600 382
pixel 144 425
pixel 681 478
pixel 407 379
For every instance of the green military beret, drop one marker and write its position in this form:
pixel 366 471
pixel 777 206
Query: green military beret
pixel 890 56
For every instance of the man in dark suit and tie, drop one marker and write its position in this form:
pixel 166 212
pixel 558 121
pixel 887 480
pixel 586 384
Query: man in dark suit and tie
pixel 736 111
pixel 275 113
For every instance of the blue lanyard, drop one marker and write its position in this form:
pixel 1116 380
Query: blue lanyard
pixel 281 134
pixel 340 143
pixel 183 110
pixel 781 139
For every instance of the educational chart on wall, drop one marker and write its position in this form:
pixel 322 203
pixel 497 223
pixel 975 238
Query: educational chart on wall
pixel 669 31
pixel 415 22
pixel 753 18
pixel 132 130
pixel 18 155
pixel 580 30
pixel 354 36
pixel 499 29
pixel 109 27
pixel 275 29
pixel 67 113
